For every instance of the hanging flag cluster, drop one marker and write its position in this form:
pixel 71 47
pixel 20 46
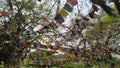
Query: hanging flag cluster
pixel 68 7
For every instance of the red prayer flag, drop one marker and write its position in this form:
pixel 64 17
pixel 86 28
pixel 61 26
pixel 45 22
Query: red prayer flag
pixel 95 7
pixel 25 44
pixel 41 46
pixel 33 59
pixel 45 19
pixel 50 52
pixel 41 31
pixel 72 2
pixel 119 62
pixel 4 13
pixel 54 24
pixel 17 36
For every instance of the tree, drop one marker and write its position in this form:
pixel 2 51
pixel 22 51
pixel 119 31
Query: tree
pixel 19 20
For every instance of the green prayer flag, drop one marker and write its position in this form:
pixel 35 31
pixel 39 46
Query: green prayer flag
pixel 68 7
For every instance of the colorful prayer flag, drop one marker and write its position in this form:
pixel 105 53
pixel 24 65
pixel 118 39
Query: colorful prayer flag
pixel 4 14
pixel 41 46
pixel 108 1
pixel 72 2
pixel 35 44
pixel 59 18
pixel 45 19
pixel 41 31
pixel 25 44
pixel 47 43
pixel 63 13
pixel 85 18
pixel 54 24
pixel 95 8
pixel 1 28
pixel 58 7
pixel 68 7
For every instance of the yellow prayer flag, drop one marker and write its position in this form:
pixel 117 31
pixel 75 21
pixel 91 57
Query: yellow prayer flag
pixel 63 13
pixel 47 43
pixel 51 27
pixel 1 28
pixel 42 40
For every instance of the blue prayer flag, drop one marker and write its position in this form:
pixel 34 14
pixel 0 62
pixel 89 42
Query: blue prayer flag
pixel 35 44
pixel 59 18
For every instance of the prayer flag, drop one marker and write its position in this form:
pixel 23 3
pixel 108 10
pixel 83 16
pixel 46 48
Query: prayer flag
pixel 4 14
pixel 25 44
pixel 85 18
pixel 41 46
pixel 45 19
pixel 58 7
pixel 47 43
pixel 72 2
pixel 108 1
pixel 68 7
pixel 54 24
pixel 95 8
pixel 63 13
pixel 41 31
pixel 59 18
pixel 1 28
pixel 35 44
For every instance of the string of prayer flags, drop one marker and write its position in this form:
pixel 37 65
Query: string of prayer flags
pixel 59 18
pixel 72 2
pixel 4 13
pixel 68 7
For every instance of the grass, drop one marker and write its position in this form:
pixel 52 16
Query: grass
pixel 73 65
